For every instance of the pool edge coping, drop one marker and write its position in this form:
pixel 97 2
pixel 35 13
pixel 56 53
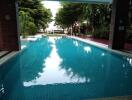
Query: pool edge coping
pixel 10 55
pixel 100 45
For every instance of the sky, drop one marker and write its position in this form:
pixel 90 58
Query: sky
pixel 53 6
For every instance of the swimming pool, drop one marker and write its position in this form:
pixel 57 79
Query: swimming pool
pixel 60 68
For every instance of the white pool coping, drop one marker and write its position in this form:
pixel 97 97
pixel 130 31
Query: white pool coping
pixel 10 56
pixel 3 53
pixel 32 38
pixel 100 45
pixel 7 57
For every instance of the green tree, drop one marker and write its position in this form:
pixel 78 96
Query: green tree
pixel 129 27
pixel 69 15
pixel 41 16
pixel 27 25
pixel 97 14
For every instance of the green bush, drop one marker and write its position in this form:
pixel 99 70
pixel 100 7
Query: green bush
pixel 24 35
pixel 89 33
pixel 32 29
pixel 96 34
pixel 102 33
pixel 27 25
pixel 129 34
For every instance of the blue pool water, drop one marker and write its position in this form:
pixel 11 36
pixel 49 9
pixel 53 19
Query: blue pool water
pixel 56 68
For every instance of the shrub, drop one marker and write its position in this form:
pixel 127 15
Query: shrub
pixel 27 25
pixel 129 34
pixel 32 29
pixel 24 35
pixel 101 32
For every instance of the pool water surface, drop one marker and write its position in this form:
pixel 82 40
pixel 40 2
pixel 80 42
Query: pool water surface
pixel 60 68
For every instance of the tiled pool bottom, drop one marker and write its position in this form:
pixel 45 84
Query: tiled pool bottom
pixel 65 69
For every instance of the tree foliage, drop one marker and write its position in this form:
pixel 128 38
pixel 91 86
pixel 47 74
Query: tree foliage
pixel 69 14
pixel 34 10
pixel 27 25
pixel 96 15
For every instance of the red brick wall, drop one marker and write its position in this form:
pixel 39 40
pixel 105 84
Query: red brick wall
pixel 8 26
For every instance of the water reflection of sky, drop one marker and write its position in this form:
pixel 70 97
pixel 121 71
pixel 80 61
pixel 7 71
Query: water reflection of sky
pixel 74 62
pixel 52 72
pixel 71 61
pixel 63 67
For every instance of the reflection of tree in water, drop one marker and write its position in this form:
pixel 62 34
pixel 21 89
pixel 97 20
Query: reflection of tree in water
pixel 32 59
pixel 91 64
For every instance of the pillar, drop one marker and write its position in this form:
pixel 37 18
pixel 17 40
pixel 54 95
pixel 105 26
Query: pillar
pixel 118 24
pixel 9 35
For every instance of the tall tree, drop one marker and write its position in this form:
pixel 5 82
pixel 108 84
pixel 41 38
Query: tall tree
pixel 41 16
pixel 69 15
pixel 97 14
